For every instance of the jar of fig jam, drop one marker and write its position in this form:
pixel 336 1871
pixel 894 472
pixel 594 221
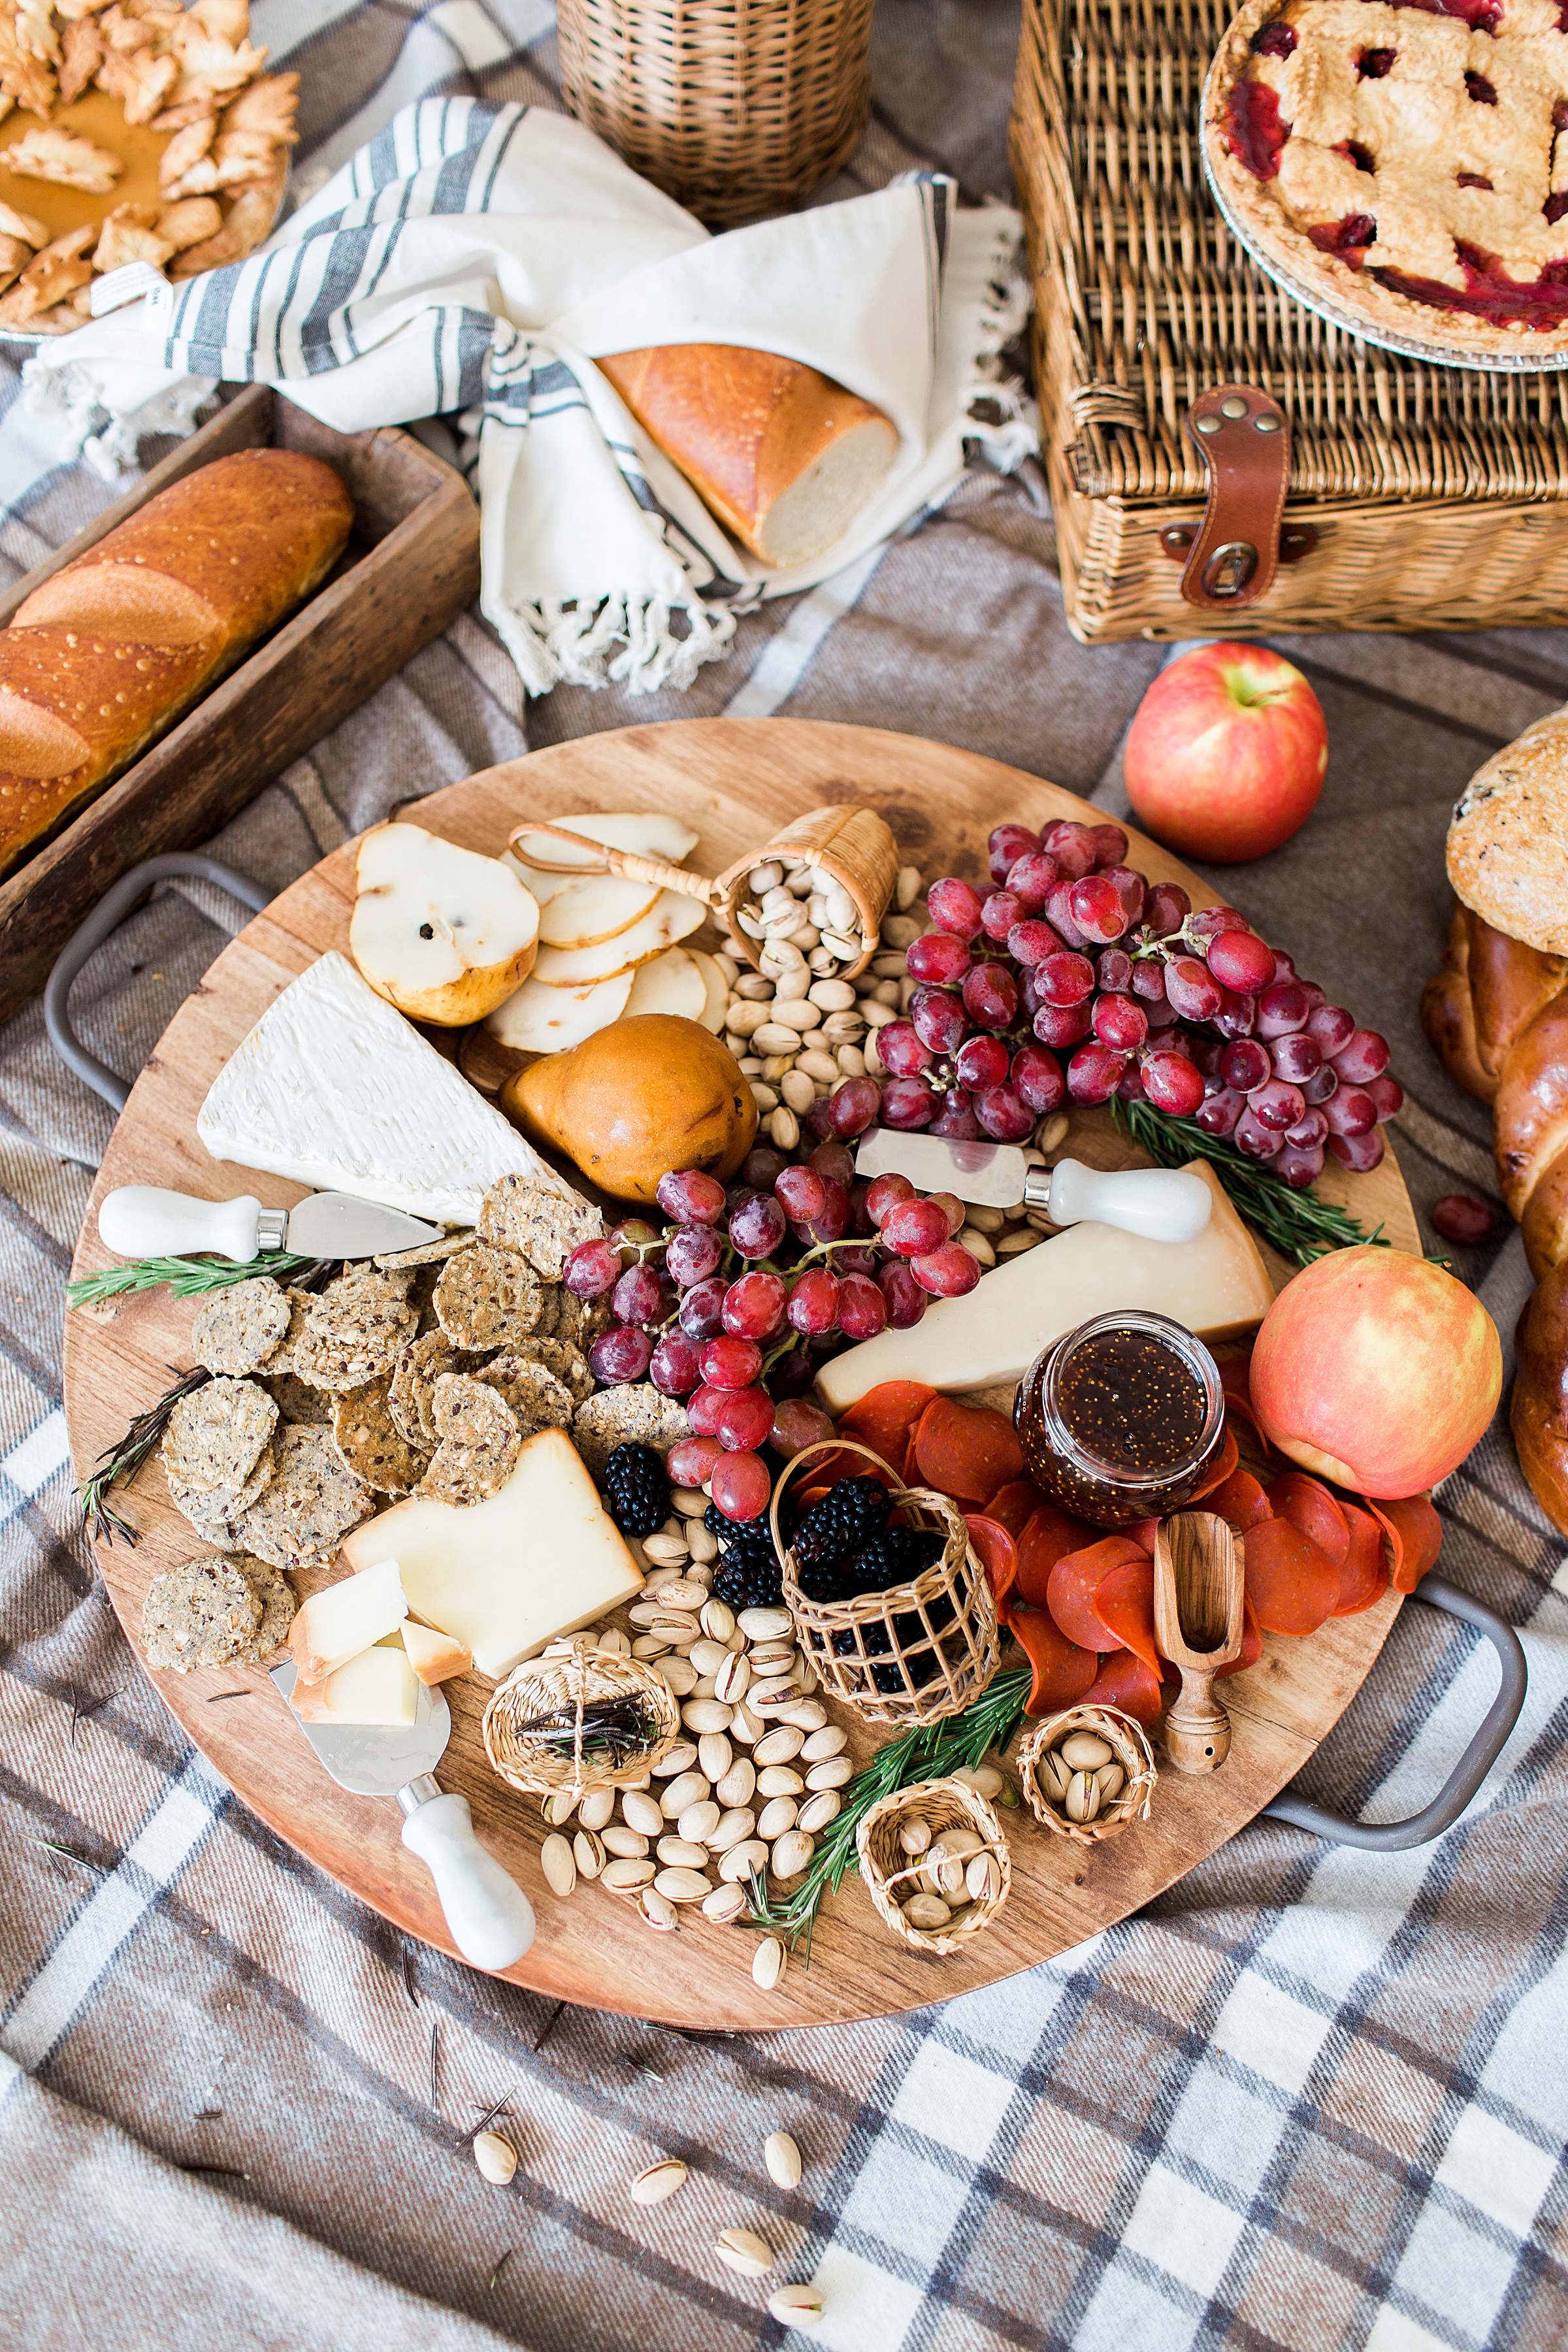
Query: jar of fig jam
pixel 1120 1420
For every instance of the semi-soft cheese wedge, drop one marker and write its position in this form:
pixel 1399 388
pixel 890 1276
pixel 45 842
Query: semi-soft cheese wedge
pixel 435 1657
pixel 505 1576
pixel 335 1624
pixel 378 1687
pixel 1217 1285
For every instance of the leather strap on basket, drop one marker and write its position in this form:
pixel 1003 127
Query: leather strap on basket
pixel 1244 440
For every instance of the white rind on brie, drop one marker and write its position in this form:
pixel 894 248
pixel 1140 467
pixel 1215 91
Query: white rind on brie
pixel 335 1089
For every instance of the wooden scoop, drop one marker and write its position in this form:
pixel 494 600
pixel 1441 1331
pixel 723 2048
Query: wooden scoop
pixel 1198 1624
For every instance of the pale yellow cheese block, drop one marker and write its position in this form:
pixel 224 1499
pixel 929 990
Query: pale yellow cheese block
pixel 504 1577
pixel 1217 1285
pixel 378 1687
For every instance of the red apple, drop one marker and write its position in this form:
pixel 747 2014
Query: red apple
pixel 1227 754
pixel 1377 1370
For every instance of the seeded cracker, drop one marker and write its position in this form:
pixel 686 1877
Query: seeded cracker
pixel 353 1331
pixel 236 1329
pixel 277 1604
pixel 372 1444
pixel 568 1363
pixel 281 1360
pixel 480 1442
pixel 216 1435
pixel 579 1321
pixel 538 1399
pixel 411 1391
pixel 549 1312
pixel 200 1614
pixel 487 1297
pixel 427 1253
pixel 310 1506
pixel 296 1401
pixel 520 1213
pixel 632 1413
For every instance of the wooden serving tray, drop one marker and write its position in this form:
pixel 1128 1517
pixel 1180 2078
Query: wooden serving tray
pixel 411 566
pixel 736 781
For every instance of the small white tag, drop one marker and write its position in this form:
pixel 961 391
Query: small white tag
pixel 129 284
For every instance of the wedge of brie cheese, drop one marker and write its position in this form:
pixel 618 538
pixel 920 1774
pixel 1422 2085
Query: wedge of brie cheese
pixel 334 1088
pixel 1217 1285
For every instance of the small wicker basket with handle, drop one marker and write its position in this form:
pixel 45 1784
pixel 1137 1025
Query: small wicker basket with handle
pixel 892 1874
pixel 564 1683
pixel 1132 1753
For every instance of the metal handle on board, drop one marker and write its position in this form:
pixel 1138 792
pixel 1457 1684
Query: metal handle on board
pixel 106 918
pixel 1394 1837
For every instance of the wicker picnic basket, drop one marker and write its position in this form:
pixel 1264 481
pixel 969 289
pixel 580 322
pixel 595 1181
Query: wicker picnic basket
pixel 1417 497
pixel 735 108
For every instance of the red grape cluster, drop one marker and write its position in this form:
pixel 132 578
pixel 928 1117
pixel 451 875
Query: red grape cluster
pixel 756 1284
pixel 1075 979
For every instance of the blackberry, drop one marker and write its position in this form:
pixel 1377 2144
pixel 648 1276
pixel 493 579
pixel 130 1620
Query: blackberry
pixel 876 1641
pixel 637 1490
pixel 895 1556
pixel 844 1521
pixel 747 1573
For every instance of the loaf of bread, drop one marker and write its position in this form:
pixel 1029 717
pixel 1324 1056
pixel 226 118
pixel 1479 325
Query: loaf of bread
pixel 783 457
pixel 1538 1411
pixel 1508 844
pixel 105 656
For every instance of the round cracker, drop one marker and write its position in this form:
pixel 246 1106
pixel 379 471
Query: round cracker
pixel 202 1613
pixel 237 1328
pixel 487 1298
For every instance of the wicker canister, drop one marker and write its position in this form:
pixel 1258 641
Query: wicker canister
pixel 850 845
pixel 735 108
pixel 892 1875
pixel 917 1652
pixel 1124 1737
pixel 563 1682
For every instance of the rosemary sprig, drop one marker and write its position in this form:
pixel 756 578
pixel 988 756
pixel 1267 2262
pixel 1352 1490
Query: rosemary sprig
pixel 186 1278
pixel 613 1728
pixel 123 1460
pixel 1300 1225
pixel 926 1754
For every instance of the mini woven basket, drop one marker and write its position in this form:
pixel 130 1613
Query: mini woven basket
pixel 735 108
pixel 899 1638
pixel 1134 1753
pixel 563 1682
pixel 892 1876
pixel 853 845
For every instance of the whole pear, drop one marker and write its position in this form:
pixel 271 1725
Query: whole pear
pixel 644 1095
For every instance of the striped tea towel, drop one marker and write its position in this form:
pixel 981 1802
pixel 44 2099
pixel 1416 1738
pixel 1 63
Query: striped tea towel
pixel 475 258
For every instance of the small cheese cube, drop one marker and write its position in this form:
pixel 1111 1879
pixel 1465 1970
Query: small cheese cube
pixel 337 1623
pixel 435 1657
pixel 378 1687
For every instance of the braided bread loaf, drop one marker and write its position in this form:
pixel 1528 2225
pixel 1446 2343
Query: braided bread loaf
pixel 106 654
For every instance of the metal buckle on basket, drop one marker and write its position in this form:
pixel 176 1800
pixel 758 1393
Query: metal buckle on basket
pixel 1244 438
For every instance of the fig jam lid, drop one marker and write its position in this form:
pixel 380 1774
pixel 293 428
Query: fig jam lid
pixel 1130 1400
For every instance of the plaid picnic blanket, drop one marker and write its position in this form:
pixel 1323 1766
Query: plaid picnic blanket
pixel 1311 2098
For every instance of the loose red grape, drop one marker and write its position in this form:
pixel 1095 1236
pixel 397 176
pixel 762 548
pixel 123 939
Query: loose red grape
pixel 1173 1084
pixel 1388 1095
pixel 937 956
pixel 906 1299
pixel 1364 1056
pixel 741 1485
pixel 1259 1142
pixel 621 1353
pixel 701 1309
pixel 1295 1057
pixel 1281 1009
pixel 690 1462
pixel 1030 942
pixel 1332 1027
pixel 673 1366
pixel 862 1310
pixel 1037 1076
pixel 638 1296
pixel 1095 1073
pixel 1097 909
pixel 1109 845
pixel 592 1269
pixel 1003 1114
pixel 939 1019
pixel 901 1051
pixel 751 1307
pixel 855 1106
pixel 982 1062
pixel 813 1302
pixel 1360 1153
pixel 1351 1111
pixel 745 1420
pixel 990 997
pixel 833 1162
pixel 692 1254
pixel 1241 961
pixel 907 1103
pixel 955 1121
pixel 1006 845
pixel 1276 1105
pixel 1033 878
pixel 947 1272
pixel 731 1362
pixel 1309 1128
pixel 1219 1114
pixel 1166 908
pixel 1300 1164
pixel 690 1197
pixel 1192 989
pixel 758 1226
pixel 885 1193
pixel 832 1223
pixel 1000 911
pixel 1119 1021
pixel 1065 978
pixel 1246 1064
pixel 1061 1024
pixel 1460 1217
pixel 1071 844
pixel 954 907
pixel 801 1191
pixel 911 1227
pixel 796 1425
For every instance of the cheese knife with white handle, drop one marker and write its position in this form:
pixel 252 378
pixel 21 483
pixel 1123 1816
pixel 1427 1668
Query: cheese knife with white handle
pixel 1162 1204
pixel 140 1221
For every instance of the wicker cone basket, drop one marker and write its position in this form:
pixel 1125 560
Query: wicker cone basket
pixel 854 846
pixel 735 108
pixel 892 1875
pixel 563 1682
pixel 937 1666
pixel 1132 1752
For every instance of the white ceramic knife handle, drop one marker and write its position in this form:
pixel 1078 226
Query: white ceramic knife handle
pixel 490 1917
pixel 140 1221
pixel 1161 1204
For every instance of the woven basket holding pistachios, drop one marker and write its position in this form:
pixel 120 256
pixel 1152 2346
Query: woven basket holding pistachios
pixel 1087 1773
pixel 935 1863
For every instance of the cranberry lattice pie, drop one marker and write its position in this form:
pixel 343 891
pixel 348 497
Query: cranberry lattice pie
pixel 1409 161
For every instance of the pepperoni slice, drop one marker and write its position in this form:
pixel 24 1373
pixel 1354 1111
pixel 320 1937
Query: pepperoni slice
pixel 1143 1533
pixel 1251 1643
pixel 967 1451
pixel 1415 1534
pixel 1074 1581
pixel 1062 1671
pixel 1225 1461
pixel 1048 1534
pixel 1235 1379
pixel 1309 1507
pixel 1291 1581
pixel 1014 1506
pixel 997 1554
pixel 1124 1604
pixel 1363 1571
pixel 1126 1682
pixel 884 1417
pixel 1241 1501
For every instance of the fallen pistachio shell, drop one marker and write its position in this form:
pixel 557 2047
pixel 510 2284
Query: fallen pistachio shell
pixel 685 1788
pixel 624 1876
pixel 776 1816
pixel 731 1679
pixel 768 1965
pixel 782 2157
pixel 596 1808
pixel 779 1780
pixel 796 2306
pixel 679 1675
pixel 984 1779
pixel 744 2251
pixel 656 2182
pixel 717 1621
pixel 680 1853
pixel 643 1812
pixel 657 1910
pixel 1085 1751
pixel 739 1862
pixel 588 1854
pixel 810 1715
pixel 778 1746
pixel 833 1772
pixel 764 1624
pixel 559 1807
pixel 556 1861
pixel 680 1885
pixel 818 1810
pixel 676 1759
pixel 714 1756
pixel 830 1741
pixel 725 1903
pixel 792 1852
pixel 739 1785
pixel 626 1844
pixel 495 2158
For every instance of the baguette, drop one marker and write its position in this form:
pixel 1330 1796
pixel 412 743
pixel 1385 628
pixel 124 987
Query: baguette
pixel 105 655
pixel 783 457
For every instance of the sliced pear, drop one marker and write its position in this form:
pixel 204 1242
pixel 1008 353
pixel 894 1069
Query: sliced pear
pixel 672 917
pixel 600 907
pixel 648 833
pixel 441 933
pixel 540 1019
pixel 717 988
pixel 671 983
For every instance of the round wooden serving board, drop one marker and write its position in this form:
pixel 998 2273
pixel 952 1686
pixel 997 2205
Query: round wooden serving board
pixel 736 781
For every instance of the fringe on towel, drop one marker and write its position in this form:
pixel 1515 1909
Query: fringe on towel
pixel 1002 423
pixel 103 426
pixel 618 642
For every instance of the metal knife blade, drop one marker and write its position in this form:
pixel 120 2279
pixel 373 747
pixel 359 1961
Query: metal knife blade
pixel 376 1760
pixel 335 1224
pixel 991 1174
